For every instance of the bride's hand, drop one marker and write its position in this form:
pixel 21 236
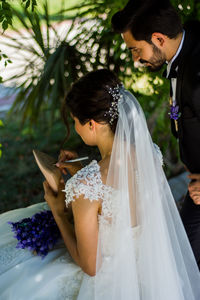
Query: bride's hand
pixel 71 167
pixel 55 202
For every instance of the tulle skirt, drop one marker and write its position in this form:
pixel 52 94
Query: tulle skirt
pixel 26 276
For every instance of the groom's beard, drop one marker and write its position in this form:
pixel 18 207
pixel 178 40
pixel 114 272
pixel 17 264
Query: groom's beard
pixel 157 60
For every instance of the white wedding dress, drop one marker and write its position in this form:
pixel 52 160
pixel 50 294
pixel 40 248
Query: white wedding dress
pixel 56 277
pixel 143 252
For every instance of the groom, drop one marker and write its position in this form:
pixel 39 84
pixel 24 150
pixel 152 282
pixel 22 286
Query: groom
pixel 153 32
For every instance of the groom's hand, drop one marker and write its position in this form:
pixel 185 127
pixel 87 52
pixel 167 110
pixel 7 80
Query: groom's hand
pixel 194 188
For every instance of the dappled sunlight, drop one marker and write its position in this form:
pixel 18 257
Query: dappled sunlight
pixel 38 278
pixel 17 266
pixel 145 84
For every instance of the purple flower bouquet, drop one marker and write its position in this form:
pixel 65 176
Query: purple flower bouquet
pixel 38 233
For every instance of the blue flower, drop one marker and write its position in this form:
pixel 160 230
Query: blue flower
pixel 38 233
pixel 174 112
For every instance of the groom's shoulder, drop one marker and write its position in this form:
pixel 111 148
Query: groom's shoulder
pixel 192 29
pixel 193 26
pixel 192 61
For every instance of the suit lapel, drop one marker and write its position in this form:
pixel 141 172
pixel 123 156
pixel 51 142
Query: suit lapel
pixel 180 62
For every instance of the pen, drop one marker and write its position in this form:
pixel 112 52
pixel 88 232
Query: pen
pixel 77 159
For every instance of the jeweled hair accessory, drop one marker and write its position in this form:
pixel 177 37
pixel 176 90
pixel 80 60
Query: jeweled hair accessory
pixel 113 112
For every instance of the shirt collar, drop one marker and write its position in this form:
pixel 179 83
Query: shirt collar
pixel 169 64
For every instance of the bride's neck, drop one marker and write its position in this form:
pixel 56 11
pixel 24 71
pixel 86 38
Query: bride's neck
pixel 105 146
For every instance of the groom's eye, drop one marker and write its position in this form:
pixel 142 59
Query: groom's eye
pixel 135 50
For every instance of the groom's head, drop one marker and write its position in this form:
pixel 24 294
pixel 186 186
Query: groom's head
pixel 151 29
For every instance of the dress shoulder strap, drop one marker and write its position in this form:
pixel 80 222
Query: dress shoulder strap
pixel 86 182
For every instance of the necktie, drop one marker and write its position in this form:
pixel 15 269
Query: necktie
pixel 172 73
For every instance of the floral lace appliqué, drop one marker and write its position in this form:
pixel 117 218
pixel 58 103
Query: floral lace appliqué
pixel 88 182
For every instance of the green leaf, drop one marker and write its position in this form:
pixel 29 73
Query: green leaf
pixel 5 5
pixel 5 25
pixel 27 3
pixel 1 123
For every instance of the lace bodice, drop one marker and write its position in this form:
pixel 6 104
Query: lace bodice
pixel 88 182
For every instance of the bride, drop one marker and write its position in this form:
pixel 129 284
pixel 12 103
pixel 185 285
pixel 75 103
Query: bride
pixel 127 241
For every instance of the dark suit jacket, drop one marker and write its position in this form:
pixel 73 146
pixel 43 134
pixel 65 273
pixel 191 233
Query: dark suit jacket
pixel 188 98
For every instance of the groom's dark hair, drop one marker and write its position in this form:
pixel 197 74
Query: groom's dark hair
pixel 144 17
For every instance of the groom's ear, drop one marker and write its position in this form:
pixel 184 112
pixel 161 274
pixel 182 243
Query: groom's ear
pixel 158 39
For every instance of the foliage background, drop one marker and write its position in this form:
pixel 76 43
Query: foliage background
pixel 53 62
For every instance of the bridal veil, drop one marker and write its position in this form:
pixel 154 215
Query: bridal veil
pixel 145 254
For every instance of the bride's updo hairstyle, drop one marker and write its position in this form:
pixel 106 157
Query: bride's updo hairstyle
pixel 89 98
